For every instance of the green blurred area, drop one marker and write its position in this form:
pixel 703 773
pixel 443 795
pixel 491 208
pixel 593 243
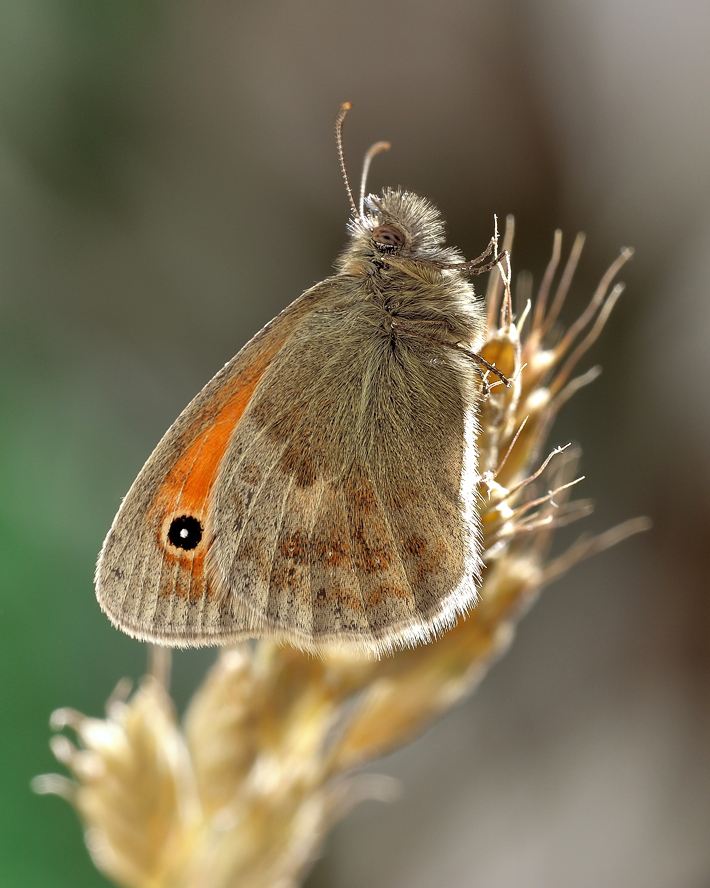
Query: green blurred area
pixel 70 81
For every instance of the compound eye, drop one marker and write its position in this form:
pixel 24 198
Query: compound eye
pixel 388 236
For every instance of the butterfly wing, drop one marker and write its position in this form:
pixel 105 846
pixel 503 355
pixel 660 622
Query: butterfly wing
pixel 319 489
pixel 343 509
pixel 151 579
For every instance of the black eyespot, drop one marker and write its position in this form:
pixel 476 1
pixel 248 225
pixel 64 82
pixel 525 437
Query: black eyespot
pixel 388 236
pixel 185 532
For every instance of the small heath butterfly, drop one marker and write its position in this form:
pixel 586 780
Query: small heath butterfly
pixel 321 489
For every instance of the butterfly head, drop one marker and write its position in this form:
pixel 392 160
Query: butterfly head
pixel 394 227
pixel 389 230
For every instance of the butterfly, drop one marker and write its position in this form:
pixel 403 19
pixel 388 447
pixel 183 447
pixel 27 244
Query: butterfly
pixel 321 488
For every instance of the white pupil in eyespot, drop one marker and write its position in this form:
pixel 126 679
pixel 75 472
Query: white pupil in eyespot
pixel 184 533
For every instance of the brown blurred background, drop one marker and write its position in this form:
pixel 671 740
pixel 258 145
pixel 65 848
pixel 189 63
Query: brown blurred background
pixel 168 182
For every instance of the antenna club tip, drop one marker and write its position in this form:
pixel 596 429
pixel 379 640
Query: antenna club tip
pixel 346 106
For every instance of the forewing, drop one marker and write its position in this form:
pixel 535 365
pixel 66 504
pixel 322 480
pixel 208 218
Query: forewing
pixel 149 586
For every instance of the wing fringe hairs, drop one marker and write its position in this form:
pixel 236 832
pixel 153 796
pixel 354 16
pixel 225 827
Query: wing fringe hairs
pixel 243 792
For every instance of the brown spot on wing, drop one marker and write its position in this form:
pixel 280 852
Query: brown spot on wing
pixel 359 491
pixel 337 603
pixel 331 550
pixel 431 563
pixel 370 556
pixel 383 593
pixel 414 545
pixel 343 597
pixel 432 548
pixel 384 586
pixel 297 460
pixel 295 546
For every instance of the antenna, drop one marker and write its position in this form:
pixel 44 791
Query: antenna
pixel 376 149
pixel 344 108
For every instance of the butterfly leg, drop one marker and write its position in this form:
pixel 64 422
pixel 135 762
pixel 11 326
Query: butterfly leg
pixel 398 324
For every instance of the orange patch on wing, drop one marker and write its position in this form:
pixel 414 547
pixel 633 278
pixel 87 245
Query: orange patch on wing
pixel 187 487
pixel 194 474
pixel 192 477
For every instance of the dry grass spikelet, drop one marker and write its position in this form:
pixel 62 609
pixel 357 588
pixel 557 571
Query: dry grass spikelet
pixel 266 759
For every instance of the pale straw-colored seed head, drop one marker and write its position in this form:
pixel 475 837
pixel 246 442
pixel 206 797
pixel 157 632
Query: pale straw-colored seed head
pixel 265 761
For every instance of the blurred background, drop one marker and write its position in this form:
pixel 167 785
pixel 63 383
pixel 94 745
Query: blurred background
pixel 168 182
